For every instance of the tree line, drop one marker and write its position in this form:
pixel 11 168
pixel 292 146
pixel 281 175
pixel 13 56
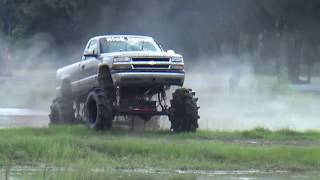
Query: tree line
pixel 283 32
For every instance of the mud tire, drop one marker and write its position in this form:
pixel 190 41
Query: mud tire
pixel 62 112
pixel 184 111
pixel 99 111
pixel 105 81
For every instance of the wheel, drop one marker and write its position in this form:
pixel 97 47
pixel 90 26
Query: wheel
pixel 99 111
pixel 105 81
pixel 62 112
pixel 184 111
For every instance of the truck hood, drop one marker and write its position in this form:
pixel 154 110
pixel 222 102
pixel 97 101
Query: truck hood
pixel 141 54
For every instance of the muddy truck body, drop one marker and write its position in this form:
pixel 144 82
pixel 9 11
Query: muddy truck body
pixel 124 75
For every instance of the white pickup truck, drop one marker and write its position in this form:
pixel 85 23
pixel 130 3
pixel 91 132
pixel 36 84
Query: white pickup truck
pixel 122 75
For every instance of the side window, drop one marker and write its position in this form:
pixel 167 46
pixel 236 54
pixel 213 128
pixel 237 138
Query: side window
pixel 93 45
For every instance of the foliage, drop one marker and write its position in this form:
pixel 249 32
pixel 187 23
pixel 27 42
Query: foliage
pixel 269 28
pixel 78 147
pixel 21 18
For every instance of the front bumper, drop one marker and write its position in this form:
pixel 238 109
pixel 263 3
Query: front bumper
pixel 121 77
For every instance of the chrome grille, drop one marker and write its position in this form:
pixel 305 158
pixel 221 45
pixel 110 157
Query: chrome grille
pixel 150 63
pixel 151 59
pixel 147 66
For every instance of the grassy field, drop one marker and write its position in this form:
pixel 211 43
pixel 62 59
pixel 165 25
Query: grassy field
pixel 80 148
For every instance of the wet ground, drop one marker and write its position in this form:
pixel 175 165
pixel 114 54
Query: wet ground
pixel 50 172
pixel 25 98
pixel 27 105
pixel 12 117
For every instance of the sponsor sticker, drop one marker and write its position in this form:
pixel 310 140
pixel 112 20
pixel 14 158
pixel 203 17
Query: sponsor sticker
pixel 119 39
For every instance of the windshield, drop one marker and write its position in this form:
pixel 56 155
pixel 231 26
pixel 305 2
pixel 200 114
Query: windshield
pixel 119 44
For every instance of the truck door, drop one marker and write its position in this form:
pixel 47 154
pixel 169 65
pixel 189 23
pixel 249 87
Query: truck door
pixel 88 72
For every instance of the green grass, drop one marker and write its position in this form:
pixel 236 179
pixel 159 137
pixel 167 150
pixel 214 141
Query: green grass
pixel 78 147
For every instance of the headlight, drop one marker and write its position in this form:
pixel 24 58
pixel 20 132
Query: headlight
pixel 121 66
pixel 177 67
pixel 177 59
pixel 121 59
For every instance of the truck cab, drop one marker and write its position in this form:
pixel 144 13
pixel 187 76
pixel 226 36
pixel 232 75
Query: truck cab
pixel 131 60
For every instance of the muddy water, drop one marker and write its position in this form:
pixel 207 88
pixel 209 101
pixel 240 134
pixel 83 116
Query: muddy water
pixel 25 98
pixel 12 117
pixel 55 173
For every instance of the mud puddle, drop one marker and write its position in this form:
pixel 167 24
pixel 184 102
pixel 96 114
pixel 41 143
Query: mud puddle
pixel 14 117
pixel 24 172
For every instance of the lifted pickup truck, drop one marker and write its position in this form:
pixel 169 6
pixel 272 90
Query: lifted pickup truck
pixel 124 75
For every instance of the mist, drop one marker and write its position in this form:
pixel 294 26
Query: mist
pixel 253 101
pixel 223 43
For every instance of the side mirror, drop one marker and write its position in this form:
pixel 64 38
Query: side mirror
pixel 90 52
pixel 171 52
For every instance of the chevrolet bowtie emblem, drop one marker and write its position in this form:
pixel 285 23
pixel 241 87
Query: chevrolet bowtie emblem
pixel 152 63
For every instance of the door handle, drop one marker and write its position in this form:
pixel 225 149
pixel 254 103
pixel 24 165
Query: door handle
pixel 83 66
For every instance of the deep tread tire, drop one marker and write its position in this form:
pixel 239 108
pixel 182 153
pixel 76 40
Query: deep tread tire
pixel 99 111
pixel 105 81
pixel 62 112
pixel 184 111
